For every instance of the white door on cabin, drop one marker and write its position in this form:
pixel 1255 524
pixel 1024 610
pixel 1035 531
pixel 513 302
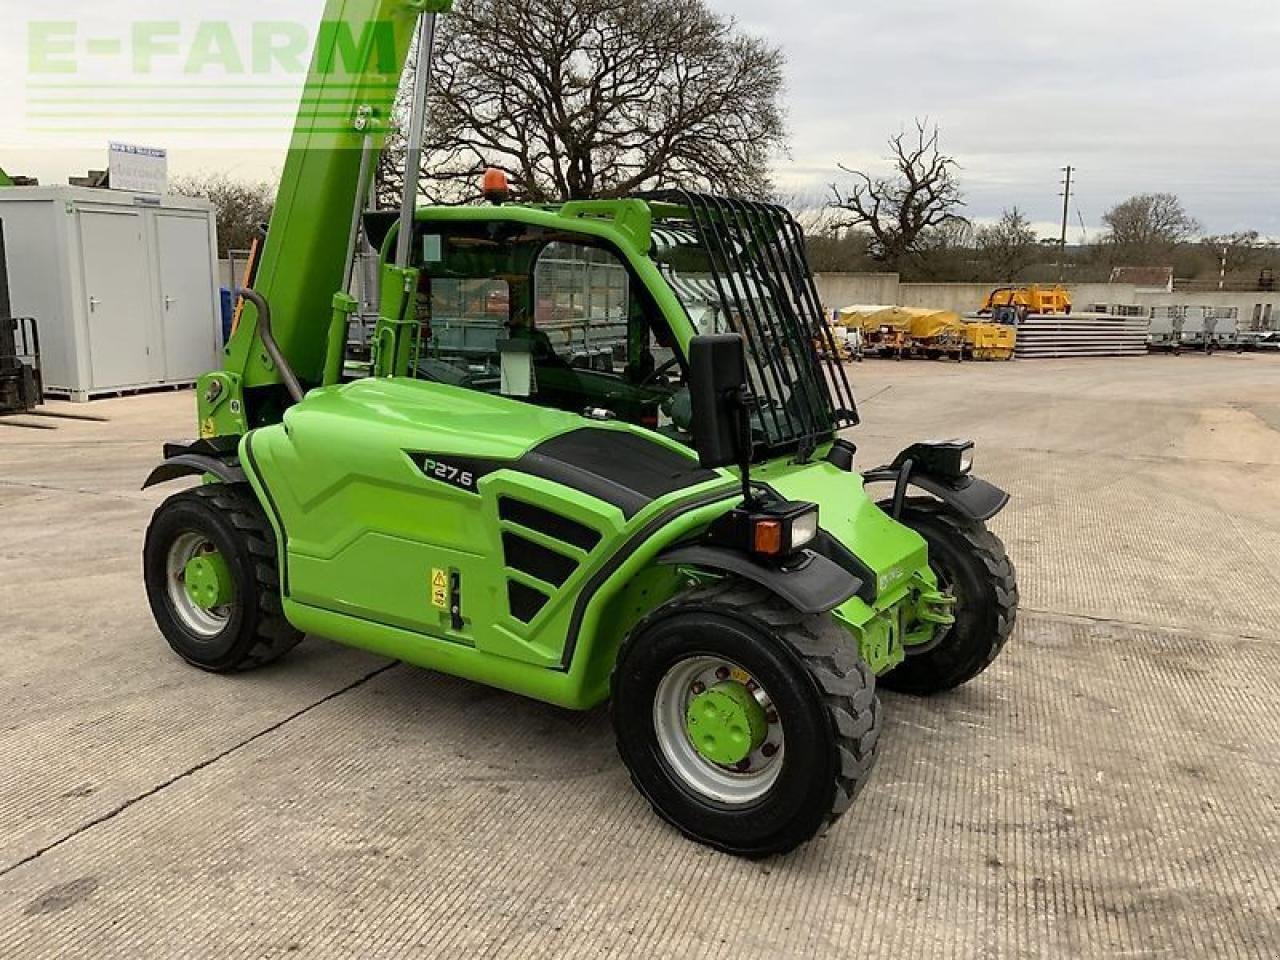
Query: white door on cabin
pixel 117 292
pixel 186 297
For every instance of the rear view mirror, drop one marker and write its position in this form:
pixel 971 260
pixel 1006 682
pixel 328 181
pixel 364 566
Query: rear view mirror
pixel 717 378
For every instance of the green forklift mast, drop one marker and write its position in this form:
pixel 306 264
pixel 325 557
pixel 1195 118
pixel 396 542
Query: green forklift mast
pixel 347 108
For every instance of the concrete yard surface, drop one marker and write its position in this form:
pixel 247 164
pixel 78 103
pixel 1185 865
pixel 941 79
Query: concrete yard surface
pixel 1110 788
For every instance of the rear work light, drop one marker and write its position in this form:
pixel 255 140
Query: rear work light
pixel 947 459
pixel 775 531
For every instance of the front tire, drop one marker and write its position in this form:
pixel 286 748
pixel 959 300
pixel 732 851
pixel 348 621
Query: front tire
pixel 971 563
pixel 795 767
pixel 234 620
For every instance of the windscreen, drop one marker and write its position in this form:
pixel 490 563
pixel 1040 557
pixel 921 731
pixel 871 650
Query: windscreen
pixel 740 267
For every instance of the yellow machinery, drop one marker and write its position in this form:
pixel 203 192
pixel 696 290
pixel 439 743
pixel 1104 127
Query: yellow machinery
pixel 882 330
pixel 1050 301
pixel 935 333
pixel 915 332
pixel 990 341
pixel 846 339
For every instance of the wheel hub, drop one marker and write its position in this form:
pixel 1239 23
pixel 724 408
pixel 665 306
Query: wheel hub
pixel 207 580
pixel 726 724
pixel 719 730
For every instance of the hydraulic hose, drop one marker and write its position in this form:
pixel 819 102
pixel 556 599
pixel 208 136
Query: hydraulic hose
pixel 269 341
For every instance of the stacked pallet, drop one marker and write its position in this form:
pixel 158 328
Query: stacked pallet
pixel 1082 335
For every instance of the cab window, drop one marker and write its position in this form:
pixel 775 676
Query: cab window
pixel 596 340
pixel 582 304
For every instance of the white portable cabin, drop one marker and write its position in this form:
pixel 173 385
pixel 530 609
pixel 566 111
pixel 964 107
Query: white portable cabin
pixel 123 288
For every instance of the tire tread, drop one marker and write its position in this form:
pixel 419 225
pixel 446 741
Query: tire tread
pixel 843 680
pixel 273 635
pixel 1002 577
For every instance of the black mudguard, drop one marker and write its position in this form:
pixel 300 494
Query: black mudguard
pixel 970 496
pixel 812 584
pixel 217 457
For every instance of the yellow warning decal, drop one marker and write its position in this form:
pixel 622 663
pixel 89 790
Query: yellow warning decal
pixel 440 589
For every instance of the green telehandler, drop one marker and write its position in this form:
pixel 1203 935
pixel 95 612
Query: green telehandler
pixel 595 456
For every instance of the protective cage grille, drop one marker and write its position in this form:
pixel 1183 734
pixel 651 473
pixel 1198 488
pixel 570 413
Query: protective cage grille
pixel 759 272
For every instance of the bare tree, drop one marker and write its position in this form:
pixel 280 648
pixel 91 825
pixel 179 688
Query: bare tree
pixel 900 210
pixel 598 98
pixel 241 208
pixel 1150 222
pixel 1007 247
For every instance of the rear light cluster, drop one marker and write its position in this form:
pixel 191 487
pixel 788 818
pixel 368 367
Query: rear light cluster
pixel 774 531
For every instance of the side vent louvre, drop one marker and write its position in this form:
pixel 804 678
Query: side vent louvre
pixel 525 602
pixel 531 558
pixel 536 560
pixel 548 523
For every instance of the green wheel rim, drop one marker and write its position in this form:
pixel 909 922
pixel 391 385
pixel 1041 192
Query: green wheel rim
pixel 707 695
pixel 726 723
pixel 203 606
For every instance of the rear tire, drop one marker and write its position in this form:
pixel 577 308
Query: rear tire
pixel 824 726
pixel 970 561
pixel 251 629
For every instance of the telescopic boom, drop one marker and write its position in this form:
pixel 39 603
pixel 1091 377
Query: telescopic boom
pixel 342 125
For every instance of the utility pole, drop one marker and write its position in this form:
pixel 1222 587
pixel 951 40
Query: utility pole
pixel 1222 273
pixel 1066 207
pixel 1066 216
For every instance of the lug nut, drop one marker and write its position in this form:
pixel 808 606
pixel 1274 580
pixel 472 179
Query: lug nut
pixel 722 673
pixel 742 766
pixel 699 687
pixel 771 716
pixel 769 750
pixel 752 686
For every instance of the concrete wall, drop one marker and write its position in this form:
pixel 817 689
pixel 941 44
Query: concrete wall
pixel 846 289
pixel 967 297
pixel 858 289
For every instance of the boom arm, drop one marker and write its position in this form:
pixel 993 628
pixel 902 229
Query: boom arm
pixel 350 92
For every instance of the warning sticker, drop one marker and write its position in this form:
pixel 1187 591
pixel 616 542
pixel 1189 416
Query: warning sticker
pixel 440 589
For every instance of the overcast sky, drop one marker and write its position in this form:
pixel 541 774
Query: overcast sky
pixel 1138 95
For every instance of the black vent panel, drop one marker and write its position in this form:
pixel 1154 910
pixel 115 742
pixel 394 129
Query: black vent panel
pixel 536 560
pixel 524 602
pixel 549 524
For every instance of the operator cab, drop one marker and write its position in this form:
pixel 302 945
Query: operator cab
pixel 593 336
pixel 598 328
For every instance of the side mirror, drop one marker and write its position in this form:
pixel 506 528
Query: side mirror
pixel 717 378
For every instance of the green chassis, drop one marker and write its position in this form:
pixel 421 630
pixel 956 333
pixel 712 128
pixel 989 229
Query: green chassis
pixel 363 531
pixel 377 553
